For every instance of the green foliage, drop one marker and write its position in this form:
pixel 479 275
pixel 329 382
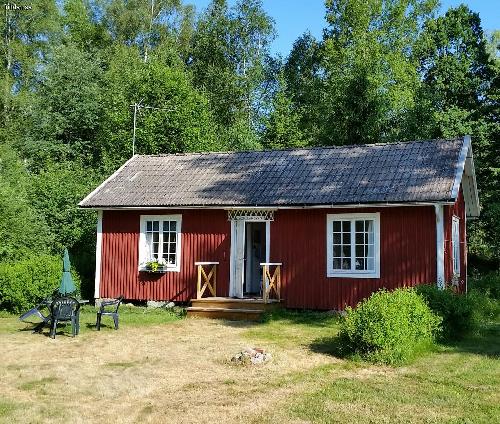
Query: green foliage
pixel 389 327
pixel 305 85
pixel 459 95
pixel 370 76
pixel 22 228
pixel 181 122
pixel 68 109
pixel 488 284
pixel 462 314
pixel 282 129
pixel 28 280
pixel 55 192
pixel 230 52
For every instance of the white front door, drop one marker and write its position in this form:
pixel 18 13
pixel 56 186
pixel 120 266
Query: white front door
pixel 237 258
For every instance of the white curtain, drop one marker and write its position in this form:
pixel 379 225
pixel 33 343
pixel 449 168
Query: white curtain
pixel 370 265
pixel 238 247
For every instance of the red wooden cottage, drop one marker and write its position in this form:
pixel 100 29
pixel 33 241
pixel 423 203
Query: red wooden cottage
pixel 331 224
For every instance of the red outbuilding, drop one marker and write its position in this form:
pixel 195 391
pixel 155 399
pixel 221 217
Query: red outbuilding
pixel 316 228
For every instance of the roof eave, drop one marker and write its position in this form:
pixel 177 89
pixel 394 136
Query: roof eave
pixel 466 176
pixel 297 206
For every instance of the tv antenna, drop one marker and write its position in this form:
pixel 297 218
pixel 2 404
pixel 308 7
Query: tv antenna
pixel 137 108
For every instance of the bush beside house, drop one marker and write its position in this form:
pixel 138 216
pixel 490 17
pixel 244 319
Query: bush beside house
pixel 389 327
pixel 25 282
pixel 462 314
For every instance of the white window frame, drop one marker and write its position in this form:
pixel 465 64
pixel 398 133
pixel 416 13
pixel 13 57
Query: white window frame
pixel 455 244
pixel 352 273
pixel 143 249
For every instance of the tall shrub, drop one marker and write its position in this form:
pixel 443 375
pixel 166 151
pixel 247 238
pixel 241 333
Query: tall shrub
pixel 462 314
pixel 25 282
pixel 389 327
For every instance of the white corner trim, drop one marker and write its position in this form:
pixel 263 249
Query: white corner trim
pixel 98 254
pixel 330 272
pixel 107 180
pixel 439 246
pixel 465 252
pixel 142 239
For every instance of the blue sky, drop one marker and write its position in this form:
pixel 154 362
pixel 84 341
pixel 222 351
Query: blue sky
pixel 294 17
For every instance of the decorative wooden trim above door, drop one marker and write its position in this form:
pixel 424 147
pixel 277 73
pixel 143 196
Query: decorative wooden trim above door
pixel 250 214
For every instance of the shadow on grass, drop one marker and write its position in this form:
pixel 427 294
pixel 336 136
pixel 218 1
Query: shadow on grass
pixel 299 317
pixel 332 346
pixel 486 342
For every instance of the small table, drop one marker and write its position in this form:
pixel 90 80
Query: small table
pixel 48 302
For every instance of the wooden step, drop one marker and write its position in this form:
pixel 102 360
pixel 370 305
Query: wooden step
pixel 229 303
pixel 232 314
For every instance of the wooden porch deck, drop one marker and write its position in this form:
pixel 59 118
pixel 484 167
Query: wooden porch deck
pixel 246 309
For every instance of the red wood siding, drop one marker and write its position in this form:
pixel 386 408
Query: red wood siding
pixel 298 239
pixel 458 209
pixel 205 237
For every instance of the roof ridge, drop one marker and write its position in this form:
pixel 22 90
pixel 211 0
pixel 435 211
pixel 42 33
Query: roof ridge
pixel 287 149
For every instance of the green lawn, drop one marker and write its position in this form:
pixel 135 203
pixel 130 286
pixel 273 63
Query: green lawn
pixel 129 316
pixel 159 367
pixel 455 383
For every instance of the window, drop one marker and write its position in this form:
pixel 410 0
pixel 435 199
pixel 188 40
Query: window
pixel 160 239
pixel 353 245
pixel 455 244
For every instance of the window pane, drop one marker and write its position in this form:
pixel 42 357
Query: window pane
pixel 336 250
pixel 165 248
pixel 370 237
pixel 346 251
pixel 346 263
pixel 336 263
pixel 346 226
pixel 336 239
pixel 359 238
pixel 360 226
pixel 369 226
pixel 360 251
pixel 172 248
pixel 173 226
pixel 336 226
pixel 171 259
pixel 156 225
pixel 149 225
pixel 370 264
pixel 149 244
pixel 166 225
pixel 360 264
pixel 346 238
pixel 156 237
pixel 172 237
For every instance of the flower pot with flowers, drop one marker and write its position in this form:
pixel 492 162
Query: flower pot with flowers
pixel 155 265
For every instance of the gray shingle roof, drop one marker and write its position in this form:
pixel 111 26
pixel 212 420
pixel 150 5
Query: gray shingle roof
pixel 418 171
